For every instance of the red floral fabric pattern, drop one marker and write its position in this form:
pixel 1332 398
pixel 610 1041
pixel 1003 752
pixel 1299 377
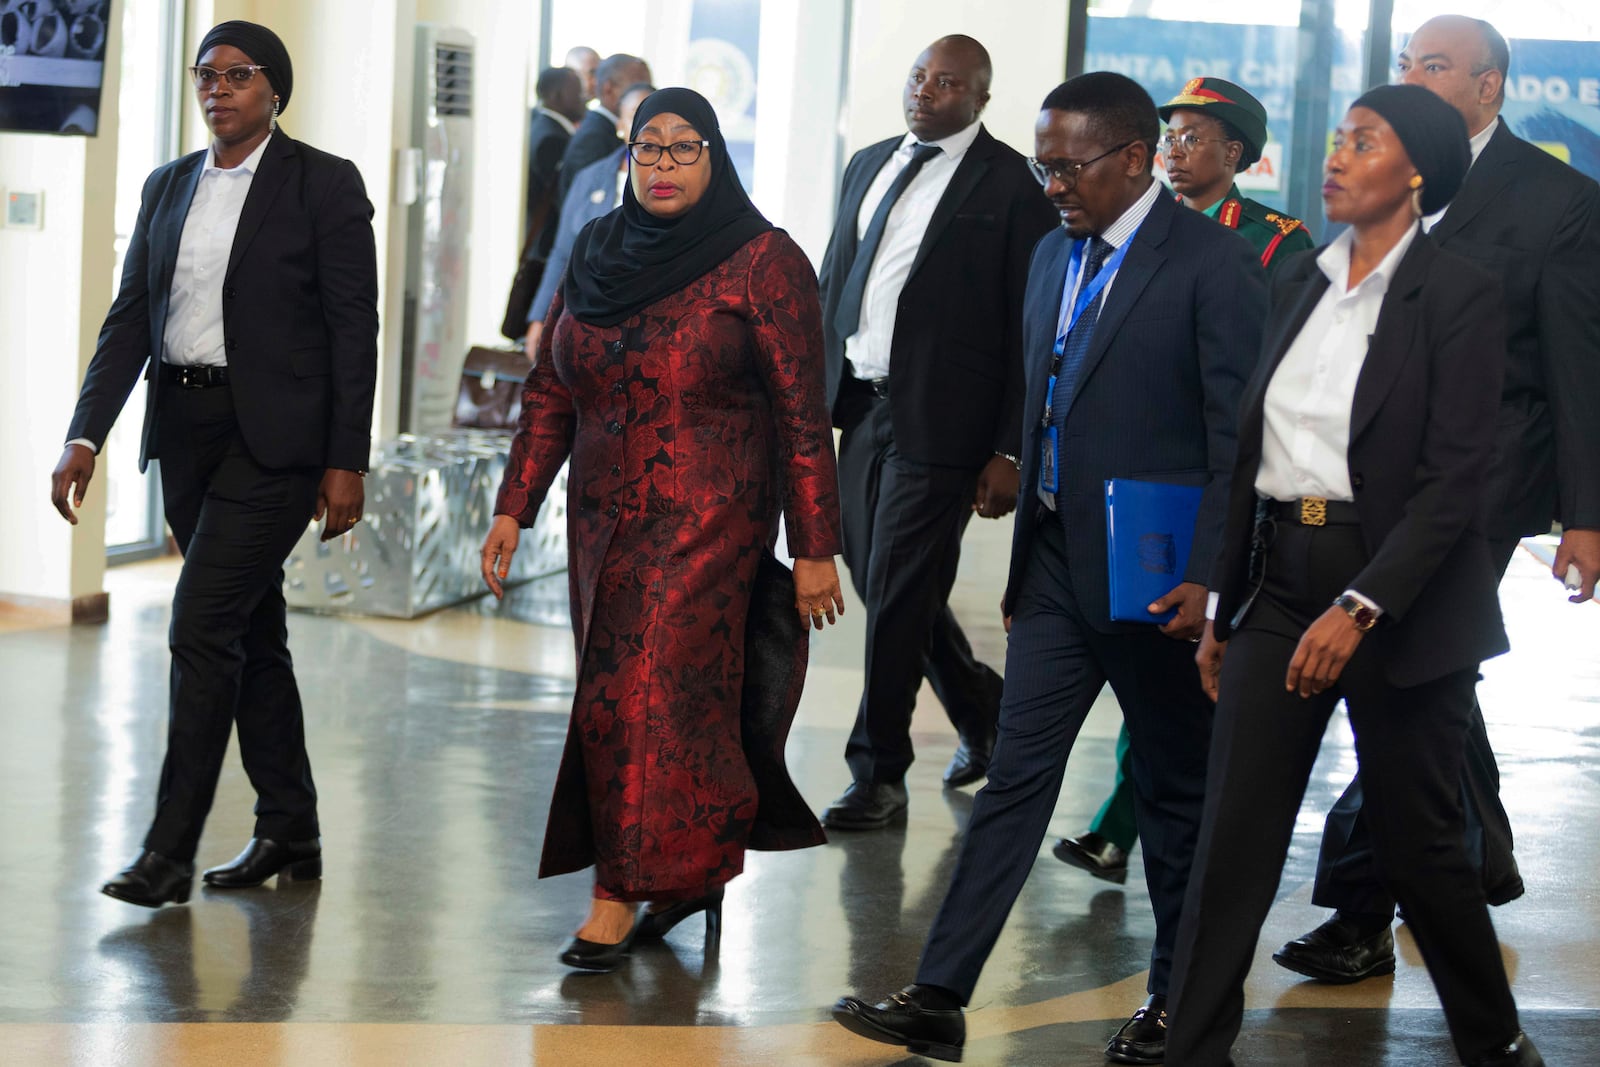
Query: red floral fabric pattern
pixel 689 427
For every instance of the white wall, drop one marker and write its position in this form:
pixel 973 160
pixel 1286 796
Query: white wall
pixel 55 286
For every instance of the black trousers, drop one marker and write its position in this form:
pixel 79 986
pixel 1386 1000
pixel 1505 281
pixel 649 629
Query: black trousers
pixel 1347 872
pixel 235 522
pixel 903 523
pixel 1056 664
pixel 1409 744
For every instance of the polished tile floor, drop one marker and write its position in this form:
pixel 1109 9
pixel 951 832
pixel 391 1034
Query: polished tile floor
pixel 429 941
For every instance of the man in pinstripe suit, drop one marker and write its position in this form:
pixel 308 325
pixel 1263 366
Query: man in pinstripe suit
pixel 1141 323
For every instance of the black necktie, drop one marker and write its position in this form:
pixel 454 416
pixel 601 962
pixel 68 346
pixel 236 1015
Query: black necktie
pixel 848 315
pixel 1077 344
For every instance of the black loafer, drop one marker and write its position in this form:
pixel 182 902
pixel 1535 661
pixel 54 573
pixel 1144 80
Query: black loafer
pixel 903 1020
pixel 1143 1038
pixel 151 881
pixel 969 764
pixel 867 806
pixel 298 861
pixel 1519 1053
pixel 1093 853
pixel 1339 951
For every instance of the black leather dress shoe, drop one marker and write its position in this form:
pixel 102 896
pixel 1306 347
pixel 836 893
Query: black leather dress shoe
pixel 970 763
pixel 596 957
pixel 151 881
pixel 1519 1053
pixel 1093 853
pixel 866 806
pixel 1339 951
pixel 1143 1038
pixel 903 1019
pixel 298 861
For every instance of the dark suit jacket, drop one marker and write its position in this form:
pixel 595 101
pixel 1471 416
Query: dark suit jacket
pixel 299 309
pixel 595 138
pixel 956 359
pixel 1534 223
pixel 1158 391
pixel 1421 435
pixel 547 142
pixel 593 193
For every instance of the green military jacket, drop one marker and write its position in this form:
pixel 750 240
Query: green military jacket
pixel 1274 234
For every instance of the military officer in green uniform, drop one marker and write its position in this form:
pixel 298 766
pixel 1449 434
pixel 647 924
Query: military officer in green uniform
pixel 1214 130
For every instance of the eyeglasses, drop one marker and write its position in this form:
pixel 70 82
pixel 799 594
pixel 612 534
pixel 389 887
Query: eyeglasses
pixel 1185 142
pixel 238 77
pixel 648 154
pixel 1065 172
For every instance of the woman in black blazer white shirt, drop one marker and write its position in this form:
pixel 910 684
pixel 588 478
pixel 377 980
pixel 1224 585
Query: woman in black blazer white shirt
pixel 1354 565
pixel 250 291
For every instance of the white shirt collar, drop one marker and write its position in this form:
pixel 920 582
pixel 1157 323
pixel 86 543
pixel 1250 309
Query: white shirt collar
pixel 561 120
pixel 1334 261
pixel 1118 232
pixel 251 162
pixel 1480 140
pixel 600 108
pixel 955 146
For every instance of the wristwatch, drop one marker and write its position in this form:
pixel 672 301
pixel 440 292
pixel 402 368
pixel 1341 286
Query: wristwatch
pixel 1364 617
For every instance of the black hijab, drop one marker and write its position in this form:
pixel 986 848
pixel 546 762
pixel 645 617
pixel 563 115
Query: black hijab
pixel 629 259
pixel 262 46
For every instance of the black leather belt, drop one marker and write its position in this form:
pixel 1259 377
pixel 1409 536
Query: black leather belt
pixel 199 377
pixel 1310 511
pixel 879 386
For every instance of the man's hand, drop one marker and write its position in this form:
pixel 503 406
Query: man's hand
pixel 341 498
pixel 1324 649
pixel 997 489
pixel 817 596
pixel 1190 600
pixel 498 548
pixel 70 479
pixel 1579 548
pixel 531 345
pixel 1208 657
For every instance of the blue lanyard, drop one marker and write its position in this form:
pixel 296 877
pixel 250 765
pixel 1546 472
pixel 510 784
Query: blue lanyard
pixel 1087 294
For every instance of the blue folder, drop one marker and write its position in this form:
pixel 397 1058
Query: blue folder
pixel 1149 531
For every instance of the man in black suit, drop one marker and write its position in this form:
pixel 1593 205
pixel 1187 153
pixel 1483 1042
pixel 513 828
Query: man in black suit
pixel 550 128
pixel 1142 323
pixel 1534 222
pixel 922 313
pixel 249 302
pixel 596 136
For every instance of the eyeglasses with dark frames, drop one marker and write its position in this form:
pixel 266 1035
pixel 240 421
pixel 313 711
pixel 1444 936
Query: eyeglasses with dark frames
pixel 1065 171
pixel 684 153
pixel 238 77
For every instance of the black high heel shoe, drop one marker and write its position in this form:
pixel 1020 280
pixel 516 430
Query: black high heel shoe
pixel 654 925
pixel 598 958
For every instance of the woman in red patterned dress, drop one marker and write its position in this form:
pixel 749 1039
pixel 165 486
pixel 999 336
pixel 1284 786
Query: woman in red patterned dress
pixel 681 370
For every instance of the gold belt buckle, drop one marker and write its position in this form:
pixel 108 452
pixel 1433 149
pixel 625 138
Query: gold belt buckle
pixel 1313 511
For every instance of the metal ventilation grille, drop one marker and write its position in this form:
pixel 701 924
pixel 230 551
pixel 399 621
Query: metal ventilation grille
pixel 452 80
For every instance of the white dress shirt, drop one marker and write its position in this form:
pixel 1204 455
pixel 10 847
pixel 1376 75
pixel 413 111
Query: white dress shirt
pixel 559 119
pixel 1477 142
pixel 868 348
pixel 194 334
pixel 1116 235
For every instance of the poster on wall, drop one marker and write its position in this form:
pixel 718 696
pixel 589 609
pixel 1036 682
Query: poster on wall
pixel 52 63
pixel 1552 94
pixel 724 49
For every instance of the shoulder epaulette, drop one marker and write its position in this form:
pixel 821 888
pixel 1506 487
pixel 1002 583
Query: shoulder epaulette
pixel 1232 211
pixel 1284 223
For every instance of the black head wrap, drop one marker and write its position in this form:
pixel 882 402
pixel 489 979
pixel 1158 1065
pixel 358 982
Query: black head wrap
pixel 262 46
pixel 629 259
pixel 1434 135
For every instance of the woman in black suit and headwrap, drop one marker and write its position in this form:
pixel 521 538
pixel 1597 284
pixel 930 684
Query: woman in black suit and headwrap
pixel 1355 565
pixel 250 289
